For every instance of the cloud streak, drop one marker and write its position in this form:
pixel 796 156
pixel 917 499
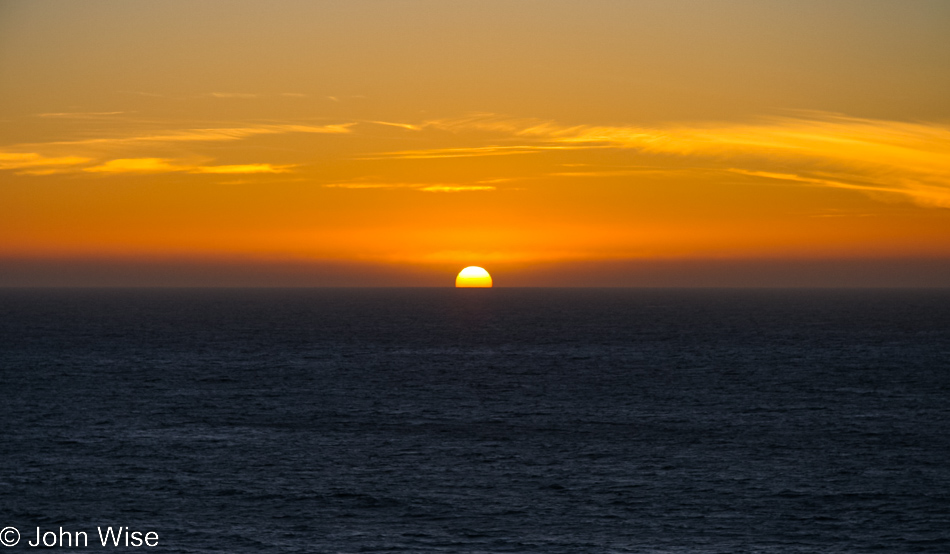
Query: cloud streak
pixel 222 134
pixel 28 161
pixel 160 165
pixel 875 156
pixel 456 188
pixel 884 159
pixel 421 187
pixel 37 164
pixel 437 153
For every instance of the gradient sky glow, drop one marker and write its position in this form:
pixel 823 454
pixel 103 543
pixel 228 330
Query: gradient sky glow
pixel 555 143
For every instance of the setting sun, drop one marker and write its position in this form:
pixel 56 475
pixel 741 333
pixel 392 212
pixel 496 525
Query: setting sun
pixel 473 277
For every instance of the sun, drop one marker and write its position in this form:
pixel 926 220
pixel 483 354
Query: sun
pixel 473 277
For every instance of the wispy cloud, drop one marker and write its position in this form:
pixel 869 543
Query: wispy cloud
pixel 456 188
pixel 877 157
pixel 477 151
pixel 37 164
pixel 141 151
pixel 422 187
pixel 136 152
pixel 160 165
pixel 244 168
pixel 370 185
pixel 874 156
pixel 400 125
pixel 612 172
pixel 816 181
pixel 134 165
pixel 220 134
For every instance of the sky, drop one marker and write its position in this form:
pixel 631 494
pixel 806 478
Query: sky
pixel 554 143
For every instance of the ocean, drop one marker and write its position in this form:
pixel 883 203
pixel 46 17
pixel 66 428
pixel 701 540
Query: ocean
pixel 477 420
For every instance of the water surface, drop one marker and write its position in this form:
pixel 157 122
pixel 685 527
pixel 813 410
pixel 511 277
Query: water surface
pixel 501 420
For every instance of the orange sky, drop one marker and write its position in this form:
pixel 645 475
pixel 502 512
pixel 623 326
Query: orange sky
pixel 552 142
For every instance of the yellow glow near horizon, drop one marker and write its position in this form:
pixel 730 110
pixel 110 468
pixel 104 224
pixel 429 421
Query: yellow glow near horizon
pixel 473 277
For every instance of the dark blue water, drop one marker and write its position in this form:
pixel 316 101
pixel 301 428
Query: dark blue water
pixel 548 421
